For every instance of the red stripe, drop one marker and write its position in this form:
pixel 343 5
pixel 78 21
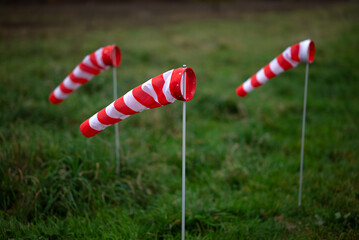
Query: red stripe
pixel 175 83
pixel 121 106
pixel 106 119
pixel 268 72
pixel 144 98
pixel 240 91
pixel 87 130
pixel 254 81
pixel 88 69
pixel 54 100
pixel 64 89
pixel 283 63
pixel 294 52
pixel 157 83
pixel 106 55
pixel 94 60
pixel 77 79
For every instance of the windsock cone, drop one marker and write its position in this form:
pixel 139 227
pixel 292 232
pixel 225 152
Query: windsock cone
pixel 303 51
pixel 156 92
pixel 91 65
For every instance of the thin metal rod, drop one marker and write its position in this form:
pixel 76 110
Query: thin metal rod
pixel 303 136
pixel 184 156
pixel 117 141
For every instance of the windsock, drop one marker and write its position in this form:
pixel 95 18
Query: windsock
pixel 156 92
pixel 90 66
pixel 303 51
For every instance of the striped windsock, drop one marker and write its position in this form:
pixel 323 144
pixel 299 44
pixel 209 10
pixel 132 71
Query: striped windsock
pixel 303 51
pixel 156 92
pixel 90 66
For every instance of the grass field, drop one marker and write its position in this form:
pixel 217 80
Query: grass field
pixel 242 153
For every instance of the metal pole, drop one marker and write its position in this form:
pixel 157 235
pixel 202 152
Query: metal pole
pixel 303 136
pixel 117 142
pixel 183 156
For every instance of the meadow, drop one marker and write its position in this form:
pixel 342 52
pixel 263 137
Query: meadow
pixel 243 154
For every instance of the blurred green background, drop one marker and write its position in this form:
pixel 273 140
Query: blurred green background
pixel 242 153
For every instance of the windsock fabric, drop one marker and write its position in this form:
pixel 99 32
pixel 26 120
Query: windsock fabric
pixel 303 51
pixel 156 92
pixel 90 66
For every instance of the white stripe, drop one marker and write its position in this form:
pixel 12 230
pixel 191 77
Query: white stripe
pixel 95 123
pixel 147 87
pixel 287 55
pixel 59 94
pixel 166 87
pixel 82 74
pixel 181 84
pixel 247 86
pixel 98 55
pixel 70 84
pixel 167 74
pixel 261 77
pixel 304 50
pixel 275 67
pixel 112 112
pixel 132 103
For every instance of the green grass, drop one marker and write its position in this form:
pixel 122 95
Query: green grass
pixel 242 153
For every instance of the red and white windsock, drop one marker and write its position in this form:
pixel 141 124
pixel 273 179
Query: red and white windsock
pixel 303 51
pixel 90 66
pixel 156 92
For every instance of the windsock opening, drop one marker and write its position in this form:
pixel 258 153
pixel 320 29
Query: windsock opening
pixel 311 51
pixel 191 84
pixel 307 51
pixel 112 55
pixel 176 84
